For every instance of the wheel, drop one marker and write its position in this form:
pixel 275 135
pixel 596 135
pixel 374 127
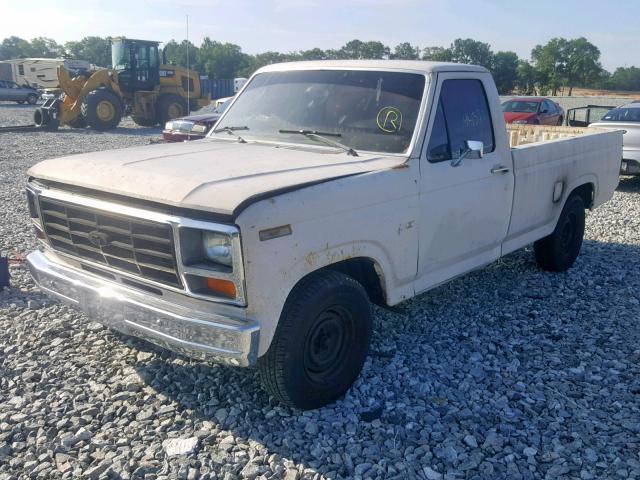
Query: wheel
pixel 20 102
pixel 170 106
pixel 321 341
pixel 77 122
pixel 44 120
pixel 101 109
pixel 560 121
pixel 32 99
pixel 145 122
pixel 558 251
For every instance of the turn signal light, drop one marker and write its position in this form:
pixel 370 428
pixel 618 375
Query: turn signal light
pixel 224 288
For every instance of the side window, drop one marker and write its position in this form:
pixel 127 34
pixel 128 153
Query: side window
pixel 21 69
pixel 462 114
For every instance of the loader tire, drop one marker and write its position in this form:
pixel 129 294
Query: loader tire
pixel 101 109
pixel 43 120
pixel 145 122
pixel 170 106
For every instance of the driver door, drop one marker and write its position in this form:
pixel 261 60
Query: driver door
pixel 465 206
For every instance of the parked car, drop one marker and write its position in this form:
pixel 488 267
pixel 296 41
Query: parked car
pixel 348 186
pixel 532 110
pixel 193 127
pixel 627 118
pixel 11 91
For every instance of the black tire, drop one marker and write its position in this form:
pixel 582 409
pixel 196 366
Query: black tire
pixel 32 99
pixel 43 120
pixel 145 122
pixel 20 102
pixel 170 106
pixel 321 341
pixel 558 251
pixel 101 109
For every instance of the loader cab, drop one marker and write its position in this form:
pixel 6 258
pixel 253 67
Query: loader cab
pixel 137 63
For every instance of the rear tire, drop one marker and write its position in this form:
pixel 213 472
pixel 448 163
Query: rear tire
pixel 145 122
pixel 101 109
pixel 321 341
pixel 558 251
pixel 170 106
pixel 32 99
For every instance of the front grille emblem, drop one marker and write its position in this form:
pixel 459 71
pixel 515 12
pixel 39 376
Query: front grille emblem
pixel 99 239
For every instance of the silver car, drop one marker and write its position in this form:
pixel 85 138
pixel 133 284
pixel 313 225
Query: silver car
pixel 626 117
pixel 11 91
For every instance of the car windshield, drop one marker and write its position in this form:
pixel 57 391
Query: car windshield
pixel 622 115
pixel 363 110
pixel 520 106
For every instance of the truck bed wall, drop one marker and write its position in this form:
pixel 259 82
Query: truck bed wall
pixel 583 156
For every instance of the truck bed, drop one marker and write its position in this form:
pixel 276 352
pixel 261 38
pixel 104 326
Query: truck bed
pixel 549 163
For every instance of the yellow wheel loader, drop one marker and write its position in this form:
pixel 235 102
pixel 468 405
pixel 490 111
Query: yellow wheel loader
pixel 138 85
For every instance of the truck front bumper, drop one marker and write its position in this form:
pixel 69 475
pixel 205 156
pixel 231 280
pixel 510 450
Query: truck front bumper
pixel 205 336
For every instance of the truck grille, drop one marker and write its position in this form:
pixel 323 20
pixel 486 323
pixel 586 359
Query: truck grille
pixel 133 245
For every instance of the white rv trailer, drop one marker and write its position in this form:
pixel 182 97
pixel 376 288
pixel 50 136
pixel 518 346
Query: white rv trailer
pixel 38 72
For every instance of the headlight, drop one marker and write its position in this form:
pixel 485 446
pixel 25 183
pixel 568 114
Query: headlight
pixel 168 126
pixel 217 248
pixel 199 128
pixel 520 122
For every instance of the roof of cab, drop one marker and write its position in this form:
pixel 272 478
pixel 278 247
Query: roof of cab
pixel 417 66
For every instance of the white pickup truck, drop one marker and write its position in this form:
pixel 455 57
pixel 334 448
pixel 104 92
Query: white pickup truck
pixel 325 187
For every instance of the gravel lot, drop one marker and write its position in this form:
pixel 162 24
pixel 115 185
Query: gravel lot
pixel 506 373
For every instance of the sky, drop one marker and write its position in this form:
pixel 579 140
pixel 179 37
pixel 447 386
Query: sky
pixel 289 25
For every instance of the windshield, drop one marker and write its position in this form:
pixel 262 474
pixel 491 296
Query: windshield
pixel 622 115
pixel 364 110
pixel 119 57
pixel 520 106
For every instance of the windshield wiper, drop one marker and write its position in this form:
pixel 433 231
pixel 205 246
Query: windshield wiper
pixel 322 137
pixel 231 130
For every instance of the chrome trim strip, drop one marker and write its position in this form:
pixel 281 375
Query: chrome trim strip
pixel 176 223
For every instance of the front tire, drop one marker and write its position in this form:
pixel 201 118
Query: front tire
pixel 321 341
pixel 170 106
pixel 101 109
pixel 32 99
pixel 558 251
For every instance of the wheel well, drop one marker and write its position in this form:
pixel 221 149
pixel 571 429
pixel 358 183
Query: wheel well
pixel 365 271
pixel 586 193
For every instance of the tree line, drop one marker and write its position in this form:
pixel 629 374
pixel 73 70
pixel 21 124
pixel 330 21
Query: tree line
pixel 559 65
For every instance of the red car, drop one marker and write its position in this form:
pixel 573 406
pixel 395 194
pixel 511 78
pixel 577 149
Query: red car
pixel 533 111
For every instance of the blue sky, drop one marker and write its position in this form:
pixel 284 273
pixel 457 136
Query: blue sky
pixel 287 25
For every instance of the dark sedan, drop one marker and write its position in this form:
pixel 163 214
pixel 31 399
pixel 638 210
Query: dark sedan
pixel 192 127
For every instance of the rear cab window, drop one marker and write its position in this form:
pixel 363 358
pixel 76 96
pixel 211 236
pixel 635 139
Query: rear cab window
pixel 462 114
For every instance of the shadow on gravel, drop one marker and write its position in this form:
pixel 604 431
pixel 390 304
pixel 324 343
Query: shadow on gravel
pixel 519 363
pixel 629 184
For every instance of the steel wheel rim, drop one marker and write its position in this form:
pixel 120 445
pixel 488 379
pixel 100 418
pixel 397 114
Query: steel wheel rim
pixel 174 110
pixel 105 111
pixel 326 344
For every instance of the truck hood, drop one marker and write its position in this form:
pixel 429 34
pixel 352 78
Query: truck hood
pixel 218 176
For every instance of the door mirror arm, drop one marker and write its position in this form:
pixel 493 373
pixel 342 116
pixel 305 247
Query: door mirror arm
pixel 472 149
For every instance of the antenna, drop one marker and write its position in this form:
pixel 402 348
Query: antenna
pixel 188 71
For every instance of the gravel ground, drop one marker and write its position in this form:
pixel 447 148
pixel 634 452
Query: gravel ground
pixel 506 373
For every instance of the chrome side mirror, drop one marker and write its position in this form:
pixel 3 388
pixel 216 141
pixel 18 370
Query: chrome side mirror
pixel 472 149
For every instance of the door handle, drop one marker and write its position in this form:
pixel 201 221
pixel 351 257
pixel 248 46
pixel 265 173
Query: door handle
pixel 500 169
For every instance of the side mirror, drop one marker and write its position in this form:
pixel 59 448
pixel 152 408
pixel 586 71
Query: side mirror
pixel 472 149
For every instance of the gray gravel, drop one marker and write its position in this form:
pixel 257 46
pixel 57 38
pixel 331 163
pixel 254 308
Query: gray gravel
pixel 506 373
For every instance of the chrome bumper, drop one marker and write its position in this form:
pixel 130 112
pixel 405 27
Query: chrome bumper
pixel 205 336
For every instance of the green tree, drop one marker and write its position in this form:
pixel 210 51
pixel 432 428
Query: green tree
pixel 177 53
pixel 582 63
pixel 550 64
pixel 467 50
pixel 14 47
pixel 95 50
pixel 624 78
pixel 526 78
pixel 356 49
pixel 437 54
pixel 222 60
pixel 505 71
pixel 406 51
pixel 46 48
